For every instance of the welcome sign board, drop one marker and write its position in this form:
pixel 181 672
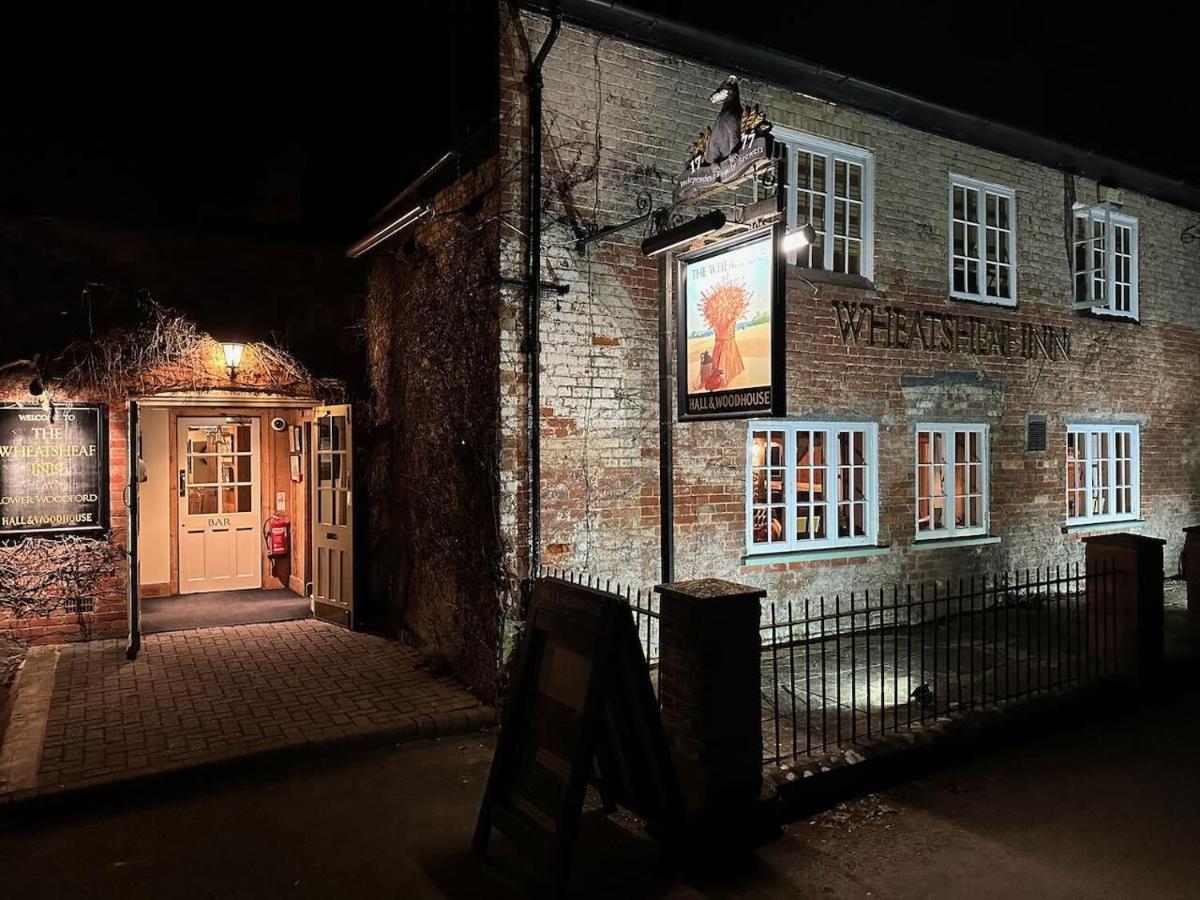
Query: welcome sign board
pixel 53 469
pixel 729 311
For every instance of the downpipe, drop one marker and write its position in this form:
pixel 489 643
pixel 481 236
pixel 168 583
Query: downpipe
pixel 533 268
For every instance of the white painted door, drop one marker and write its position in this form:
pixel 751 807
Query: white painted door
pixel 220 537
pixel 333 515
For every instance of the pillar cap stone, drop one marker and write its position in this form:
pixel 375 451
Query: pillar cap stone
pixel 710 589
pixel 1122 537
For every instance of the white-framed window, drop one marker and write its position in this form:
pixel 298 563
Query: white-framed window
pixel 1106 261
pixel 1103 473
pixel 810 485
pixel 983 241
pixel 951 480
pixel 831 186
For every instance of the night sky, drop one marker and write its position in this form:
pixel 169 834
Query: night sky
pixel 301 130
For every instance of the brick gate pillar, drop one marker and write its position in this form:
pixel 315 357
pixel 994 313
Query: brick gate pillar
pixel 711 696
pixel 1191 572
pixel 1129 601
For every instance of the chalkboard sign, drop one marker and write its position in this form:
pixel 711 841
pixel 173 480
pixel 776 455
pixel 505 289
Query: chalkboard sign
pixel 581 709
pixel 53 469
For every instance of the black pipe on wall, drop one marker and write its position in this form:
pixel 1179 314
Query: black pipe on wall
pixel 533 268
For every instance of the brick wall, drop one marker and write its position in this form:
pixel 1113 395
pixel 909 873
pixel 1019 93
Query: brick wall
pixel 432 549
pixel 618 122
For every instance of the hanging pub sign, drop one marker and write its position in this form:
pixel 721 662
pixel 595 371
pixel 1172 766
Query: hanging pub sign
pixel 729 314
pixel 732 147
pixel 53 469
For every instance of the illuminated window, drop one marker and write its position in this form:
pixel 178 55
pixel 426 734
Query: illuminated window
pixel 952 480
pixel 983 241
pixel 1103 477
pixel 830 185
pixel 1105 261
pixel 810 485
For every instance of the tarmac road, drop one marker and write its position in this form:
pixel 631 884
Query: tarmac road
pixel 1109 808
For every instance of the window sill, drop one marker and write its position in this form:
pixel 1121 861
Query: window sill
pixel 978 540
pixel 1099 527
pixel 861 551
pixel 840 279
pixel 1100 312
pixel 985 301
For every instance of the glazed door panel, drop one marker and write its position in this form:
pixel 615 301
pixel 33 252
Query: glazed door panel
pixel 220 537
pixel 333 515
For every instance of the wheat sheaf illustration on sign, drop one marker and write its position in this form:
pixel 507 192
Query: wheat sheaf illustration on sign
pixel 722 307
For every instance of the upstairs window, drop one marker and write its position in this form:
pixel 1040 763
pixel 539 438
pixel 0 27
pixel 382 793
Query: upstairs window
pixel 1103 473
pixel 1106 271
pixel 952 480
pixel 810 485
pixel 983 241
pixel 831 187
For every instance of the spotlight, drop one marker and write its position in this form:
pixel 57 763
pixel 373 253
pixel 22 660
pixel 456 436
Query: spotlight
pixel 799 238
pixel 683 234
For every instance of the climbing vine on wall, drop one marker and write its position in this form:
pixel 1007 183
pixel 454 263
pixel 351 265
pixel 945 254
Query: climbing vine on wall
pixel 41 576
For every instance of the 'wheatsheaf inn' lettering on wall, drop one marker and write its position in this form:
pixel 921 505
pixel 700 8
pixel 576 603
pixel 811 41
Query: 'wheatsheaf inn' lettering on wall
pixel 52 469
pixel 892 326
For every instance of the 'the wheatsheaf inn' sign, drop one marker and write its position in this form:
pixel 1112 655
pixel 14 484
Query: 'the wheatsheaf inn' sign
pixel 53 469
pixel 890 326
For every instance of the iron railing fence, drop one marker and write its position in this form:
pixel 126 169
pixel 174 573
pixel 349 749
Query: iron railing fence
pixel 642 602
pixel 879 661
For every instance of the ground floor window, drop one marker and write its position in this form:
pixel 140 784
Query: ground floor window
pixel 952 480
pixel 1103 473
pixel 810 485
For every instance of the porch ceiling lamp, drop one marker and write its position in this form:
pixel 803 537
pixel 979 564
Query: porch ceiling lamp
pixel 684 234
pixel 233 356
pixel 799 238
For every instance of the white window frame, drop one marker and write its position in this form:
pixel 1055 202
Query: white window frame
pixel 980 190
pixel 832 151
pixel 1135 481
pixel 950 529
pixel 832 540
pixel 1104 212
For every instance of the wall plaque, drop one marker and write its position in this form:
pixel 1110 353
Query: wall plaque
pixel 53 469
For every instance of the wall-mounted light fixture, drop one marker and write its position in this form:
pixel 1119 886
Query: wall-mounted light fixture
pixel 798 238
pixel 233 356
pixel 684 234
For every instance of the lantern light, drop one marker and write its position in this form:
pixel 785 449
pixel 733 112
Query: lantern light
pixel 233 356
pixel 799 238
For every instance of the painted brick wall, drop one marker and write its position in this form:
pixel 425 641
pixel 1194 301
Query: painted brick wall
pixel 618 122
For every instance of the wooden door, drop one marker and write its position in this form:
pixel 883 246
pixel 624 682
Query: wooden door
pixel 333 515
pixel 220 524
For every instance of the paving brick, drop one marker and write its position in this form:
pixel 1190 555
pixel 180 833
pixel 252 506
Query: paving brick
pixel 214 694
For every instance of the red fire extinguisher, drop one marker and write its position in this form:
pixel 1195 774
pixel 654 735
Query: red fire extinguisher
pixel 277 535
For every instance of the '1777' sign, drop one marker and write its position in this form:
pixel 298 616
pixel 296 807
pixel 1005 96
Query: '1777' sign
pixel 731 147
pixel 53 469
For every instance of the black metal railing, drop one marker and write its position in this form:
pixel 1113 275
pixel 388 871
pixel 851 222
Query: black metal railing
pixel 642 602
pixel 881 661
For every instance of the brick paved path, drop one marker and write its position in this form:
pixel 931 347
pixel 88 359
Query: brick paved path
pixel 194 697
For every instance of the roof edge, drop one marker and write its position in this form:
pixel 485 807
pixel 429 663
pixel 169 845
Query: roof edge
pixel 777 67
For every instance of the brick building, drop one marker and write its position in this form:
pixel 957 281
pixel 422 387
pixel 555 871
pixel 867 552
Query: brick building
pixel 991 347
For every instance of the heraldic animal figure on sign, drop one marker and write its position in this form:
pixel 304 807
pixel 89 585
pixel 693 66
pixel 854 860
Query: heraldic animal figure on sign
pixel 724 151
pixel 727 132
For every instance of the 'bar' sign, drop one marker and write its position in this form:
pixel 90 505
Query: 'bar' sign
pixel 53 469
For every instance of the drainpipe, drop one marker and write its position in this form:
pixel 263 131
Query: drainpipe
pixel 533 268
